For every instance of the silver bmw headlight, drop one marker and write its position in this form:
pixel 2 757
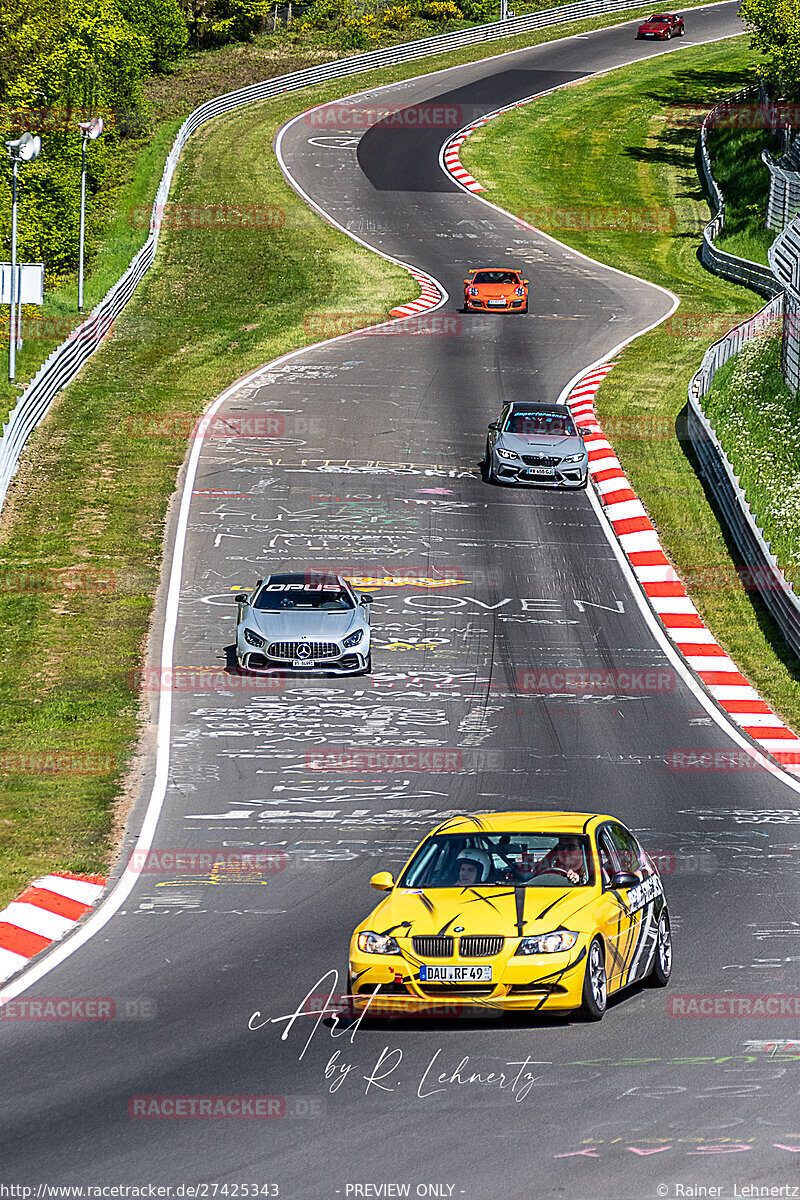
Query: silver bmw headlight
pixel 353 639
pixel 506 453
pixel 548 943
pixel 377 943
pixel 575 457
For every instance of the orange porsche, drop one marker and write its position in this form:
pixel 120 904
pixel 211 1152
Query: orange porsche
pixel 495 289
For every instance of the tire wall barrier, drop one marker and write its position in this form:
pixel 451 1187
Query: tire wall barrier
pixel 67 359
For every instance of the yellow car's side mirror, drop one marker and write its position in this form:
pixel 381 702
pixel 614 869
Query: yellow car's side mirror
pixel 383 881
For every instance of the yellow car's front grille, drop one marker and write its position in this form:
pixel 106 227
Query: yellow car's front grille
pixel 527 989
pixel 457 989
pixel 441 945
pixel 433 946
pixel 480 947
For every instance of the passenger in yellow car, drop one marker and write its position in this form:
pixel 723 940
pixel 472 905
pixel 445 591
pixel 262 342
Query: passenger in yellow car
pixel 474 867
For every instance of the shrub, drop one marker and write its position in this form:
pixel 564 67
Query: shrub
pixel 328 14
pixel 480 10
pixel 398 16
pixel 442 10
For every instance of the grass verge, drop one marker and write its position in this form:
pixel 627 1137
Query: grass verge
pixel 755 416
pixel 744 179
pixel 81 535
pixel 609 142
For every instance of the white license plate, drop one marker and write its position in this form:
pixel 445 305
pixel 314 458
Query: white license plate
pixel 546 471
pixel 465 974
pixel 498 303
pixel 302 662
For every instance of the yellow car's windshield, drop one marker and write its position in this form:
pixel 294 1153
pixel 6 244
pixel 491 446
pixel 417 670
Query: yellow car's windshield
pixel 501 859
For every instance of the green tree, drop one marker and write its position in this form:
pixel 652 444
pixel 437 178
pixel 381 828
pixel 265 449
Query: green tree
pixel 217 22
pixel 61 64
pixel 29 28
pixel 164 26
pixel 775 31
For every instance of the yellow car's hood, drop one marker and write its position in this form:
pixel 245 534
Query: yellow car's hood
pixel 492 910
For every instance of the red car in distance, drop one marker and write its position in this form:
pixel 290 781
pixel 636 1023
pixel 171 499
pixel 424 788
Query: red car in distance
pixel 661 25
pixel 495 289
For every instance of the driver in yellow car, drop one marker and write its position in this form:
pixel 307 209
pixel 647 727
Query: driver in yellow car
pixel 567 857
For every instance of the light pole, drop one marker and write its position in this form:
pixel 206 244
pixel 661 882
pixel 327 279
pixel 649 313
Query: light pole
pixel 89 131
pixel 24 149
pixel 503 10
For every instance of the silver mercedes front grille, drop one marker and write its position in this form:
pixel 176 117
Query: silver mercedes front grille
pixel 317 650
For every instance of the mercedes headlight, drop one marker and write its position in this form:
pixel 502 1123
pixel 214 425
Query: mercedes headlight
pixel 377 943
pixel 575 457
pixel 548 943
pixel 253 639
pixel 506 453
pixel 353 639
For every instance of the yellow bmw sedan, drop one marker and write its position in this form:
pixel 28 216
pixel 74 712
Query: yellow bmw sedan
pixel 542 911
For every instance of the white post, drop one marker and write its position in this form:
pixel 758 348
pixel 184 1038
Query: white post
pixel 19 309
pixel 12 333
pixel 83 222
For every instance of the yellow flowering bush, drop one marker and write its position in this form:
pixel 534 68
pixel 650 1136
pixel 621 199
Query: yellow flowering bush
pixel 442 10
pixel 397 16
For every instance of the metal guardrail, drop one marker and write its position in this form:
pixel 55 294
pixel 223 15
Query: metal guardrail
pixel 729 266
pixel 760 563
pixel 761 566
pixel 784 187
pixel 784 258
pixel 66 361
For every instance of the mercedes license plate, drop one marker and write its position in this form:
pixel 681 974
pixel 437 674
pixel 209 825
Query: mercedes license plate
pixel 463 974
pixel 302 662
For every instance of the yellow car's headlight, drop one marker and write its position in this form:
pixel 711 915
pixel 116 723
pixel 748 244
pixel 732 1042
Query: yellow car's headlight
pixel 548 943
pixel 377 943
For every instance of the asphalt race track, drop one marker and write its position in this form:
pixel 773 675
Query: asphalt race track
pixel 374 471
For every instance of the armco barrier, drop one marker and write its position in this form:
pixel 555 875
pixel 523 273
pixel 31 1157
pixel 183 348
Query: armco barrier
pixel 784 258
pixel 64 363
pixel 729 266
pixel 784 186
pixel 775 590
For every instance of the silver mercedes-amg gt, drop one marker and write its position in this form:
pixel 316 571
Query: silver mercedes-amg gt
pixel 311 622
pixel 536 443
